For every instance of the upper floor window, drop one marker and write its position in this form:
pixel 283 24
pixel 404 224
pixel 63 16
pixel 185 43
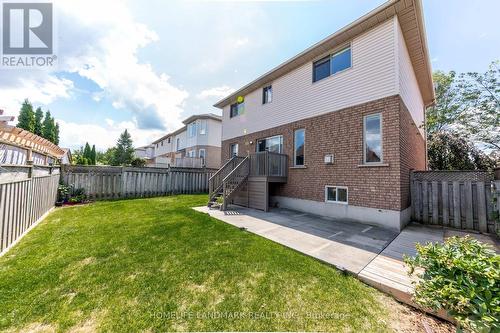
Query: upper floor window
pixel 178 144
pixel 192 130
pixel 332 64
pixel 203 126
pixel 237 109
pixel 168 140
pixel 372 138
pixel 298 147
pixel 267 94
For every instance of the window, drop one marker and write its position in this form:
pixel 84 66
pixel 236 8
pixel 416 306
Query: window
pixel 298 147
pixel 321 69
pixel 191 153
pixel 168 140
pixel 178 144
pixel 192 130
pixel 203 126
pixel 162 143
pixel 237 109
pixel 372 138
pixel 267 94
pixel 341 60
pixel 272 144
pixel 336 194
pixel 233 150
pixel 202 154
pixel 332 64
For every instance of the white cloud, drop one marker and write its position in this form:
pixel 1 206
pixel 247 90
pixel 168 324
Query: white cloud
pixel 241 42
pixel 99 40
pixel 218 92
pixel 74 135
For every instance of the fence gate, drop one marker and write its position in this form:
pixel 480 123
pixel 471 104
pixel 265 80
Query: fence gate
pixel 458 199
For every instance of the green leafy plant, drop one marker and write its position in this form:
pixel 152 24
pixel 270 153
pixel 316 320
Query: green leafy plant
pixel 461 276
pixel 63 192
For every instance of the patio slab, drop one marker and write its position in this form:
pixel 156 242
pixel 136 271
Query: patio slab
pixel 346 245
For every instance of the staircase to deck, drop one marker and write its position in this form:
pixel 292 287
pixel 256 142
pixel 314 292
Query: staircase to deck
pixel 238 172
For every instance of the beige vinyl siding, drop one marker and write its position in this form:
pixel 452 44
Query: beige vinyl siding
pixel 372 76
pixel 408 85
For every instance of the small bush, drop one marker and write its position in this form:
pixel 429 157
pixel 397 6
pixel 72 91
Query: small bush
pixel 461 276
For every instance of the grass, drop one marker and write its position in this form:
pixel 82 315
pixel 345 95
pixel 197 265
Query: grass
pixel 155 264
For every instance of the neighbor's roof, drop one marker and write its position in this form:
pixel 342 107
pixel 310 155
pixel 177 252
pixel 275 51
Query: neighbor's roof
pixel 187 121
pixel 202 116
pixel 22 138
pixel 410 18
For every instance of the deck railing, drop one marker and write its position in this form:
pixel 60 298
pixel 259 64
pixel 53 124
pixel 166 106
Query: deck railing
pixel 268 164
pixel 215 182
pixel 234 180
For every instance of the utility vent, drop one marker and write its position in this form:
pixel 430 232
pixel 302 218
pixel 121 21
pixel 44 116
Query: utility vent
pixel 329 159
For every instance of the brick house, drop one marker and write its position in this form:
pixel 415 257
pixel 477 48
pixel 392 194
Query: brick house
pixel 338 127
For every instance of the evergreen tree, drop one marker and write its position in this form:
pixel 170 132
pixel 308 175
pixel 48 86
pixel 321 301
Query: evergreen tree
pixel 38 121
pixel 87 152
pixel 26 119
pixel 48 128
pixel 93 156
pixel 56 134
pixel 124 153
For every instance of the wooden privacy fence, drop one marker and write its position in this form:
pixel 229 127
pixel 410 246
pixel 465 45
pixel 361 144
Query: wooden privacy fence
pixel 22 203
pixel 458 199
pixel 103 182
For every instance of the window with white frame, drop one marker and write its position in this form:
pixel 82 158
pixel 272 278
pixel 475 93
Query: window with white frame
pixel 236 109
pixel 203 126
pixel 191 153
pixel 372 138
pixel 178 144
pixel 337 194
pixel 192 130
pixel 332 64
pixel 202 155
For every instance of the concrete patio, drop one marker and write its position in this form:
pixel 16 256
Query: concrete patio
pixel 373 254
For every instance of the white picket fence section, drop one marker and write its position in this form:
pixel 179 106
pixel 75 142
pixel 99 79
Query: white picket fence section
pixel 103 182
pixel 22 204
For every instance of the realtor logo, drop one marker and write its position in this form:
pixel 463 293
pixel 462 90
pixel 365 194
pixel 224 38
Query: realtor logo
pixel 27 29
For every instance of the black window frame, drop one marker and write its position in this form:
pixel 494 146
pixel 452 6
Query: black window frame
pixel 322 61
pixel 235 107
pixel 265 99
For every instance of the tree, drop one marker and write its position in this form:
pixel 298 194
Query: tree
pixel 48 128
pixel 26 119
pixel 56 134
pixel 93 155
pixel 138 162
pixel 79 158
pixel 448 107
pixel 38 121
pixel 481 97
pixel 87 153
pixel 451 151
pixel 124 153
pixel 106 158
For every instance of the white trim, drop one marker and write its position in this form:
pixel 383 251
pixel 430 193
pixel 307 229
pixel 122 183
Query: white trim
pixel 381 139
pixel 271 137
pixel 336 201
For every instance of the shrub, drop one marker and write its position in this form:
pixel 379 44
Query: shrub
pixel 461 276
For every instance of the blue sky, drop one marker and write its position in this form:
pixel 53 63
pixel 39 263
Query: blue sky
pixel 124 64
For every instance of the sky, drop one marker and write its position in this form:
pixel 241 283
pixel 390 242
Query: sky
pixel 147 65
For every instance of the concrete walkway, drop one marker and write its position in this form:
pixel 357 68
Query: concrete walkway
pixel 373 254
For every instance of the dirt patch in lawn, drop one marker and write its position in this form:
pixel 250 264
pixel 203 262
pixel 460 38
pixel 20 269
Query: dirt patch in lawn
pixel 406 319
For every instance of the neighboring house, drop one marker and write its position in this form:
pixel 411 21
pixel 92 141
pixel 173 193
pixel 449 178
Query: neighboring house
pixel 336 129
pixel 66 158
pixel 197 144
pixel 146 152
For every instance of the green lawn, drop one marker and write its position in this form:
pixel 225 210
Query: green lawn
pixel 155 264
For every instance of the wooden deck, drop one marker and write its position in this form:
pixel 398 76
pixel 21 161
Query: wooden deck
pixel 387 272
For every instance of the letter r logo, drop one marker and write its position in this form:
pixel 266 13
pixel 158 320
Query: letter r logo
pixel 27 28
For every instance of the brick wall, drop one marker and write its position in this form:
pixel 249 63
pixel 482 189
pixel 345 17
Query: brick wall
pixel 341 133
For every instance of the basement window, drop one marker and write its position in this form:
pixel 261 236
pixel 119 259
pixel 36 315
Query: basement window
pixel 336 194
